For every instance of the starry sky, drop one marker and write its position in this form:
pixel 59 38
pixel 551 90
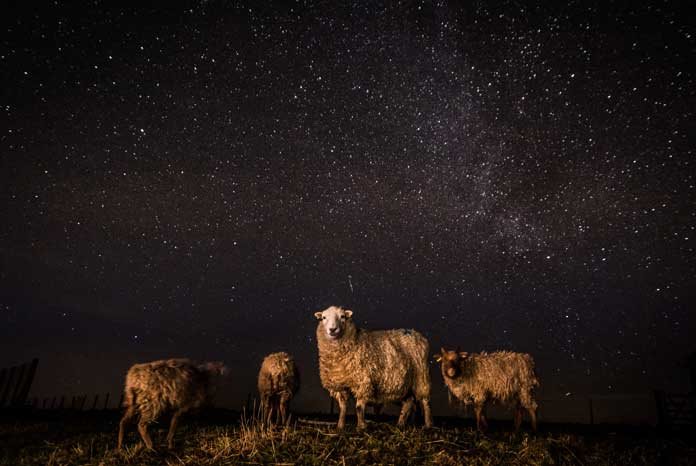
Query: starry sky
pixel 198 179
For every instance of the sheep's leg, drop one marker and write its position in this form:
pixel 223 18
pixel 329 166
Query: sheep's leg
pixel 406 407
pixel 271 410
pixel 127 417
pixel 360 411
pixel 484 419
pixel 533 416
pixel 284 405
pixel 342 400
pixel 480 419
pixel 427 415
pixel 266 409
pixel 377 408
pixel 172 426
pixel 528 402
pixel 518 417
pixel 142 428
pixel 277 411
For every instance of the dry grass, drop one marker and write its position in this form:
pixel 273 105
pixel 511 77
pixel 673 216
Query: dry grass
pixel 313 442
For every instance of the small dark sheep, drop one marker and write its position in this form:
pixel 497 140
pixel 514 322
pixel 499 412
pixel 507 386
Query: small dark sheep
pixel 278 382
pixel 152 388
pixel 504 377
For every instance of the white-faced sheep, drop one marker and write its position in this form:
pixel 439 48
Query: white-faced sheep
pixel 504 377
pixel 175 385
pixel 375 367
pixel 278 382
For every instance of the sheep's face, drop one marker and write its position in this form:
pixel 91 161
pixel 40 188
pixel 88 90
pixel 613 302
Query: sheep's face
pixel 450 362
pixel 334 321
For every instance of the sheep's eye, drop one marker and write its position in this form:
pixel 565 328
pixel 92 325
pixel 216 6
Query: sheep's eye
pixel 343 317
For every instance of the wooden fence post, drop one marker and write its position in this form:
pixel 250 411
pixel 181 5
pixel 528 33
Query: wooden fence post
pixel 106 401
pixel 14 398
pixel 8 385
pixel 96 399
pixel 62 402
pixel 591 412
pixel 661 408
pixel 3 376
pixel 26 386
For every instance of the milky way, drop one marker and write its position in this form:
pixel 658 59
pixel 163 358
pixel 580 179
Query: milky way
pixel 199 181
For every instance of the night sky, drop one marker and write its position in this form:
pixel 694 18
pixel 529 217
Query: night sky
pixel 199 180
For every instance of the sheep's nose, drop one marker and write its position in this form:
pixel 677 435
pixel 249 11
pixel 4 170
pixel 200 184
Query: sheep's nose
pixel 333 329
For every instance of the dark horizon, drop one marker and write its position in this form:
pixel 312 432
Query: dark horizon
pixel 197 182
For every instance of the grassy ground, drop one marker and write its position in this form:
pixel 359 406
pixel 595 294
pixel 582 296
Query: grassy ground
pixel 225 439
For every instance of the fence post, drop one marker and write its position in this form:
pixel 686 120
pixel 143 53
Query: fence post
pixel 661 408
pixel 28 380
pixel 591 412
pixel 96 399
pixel 8 385
pixel 3 376
pixel 61 405
pixel 18 385
pixel 106 401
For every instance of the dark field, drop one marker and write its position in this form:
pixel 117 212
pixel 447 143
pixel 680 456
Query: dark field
pixel 221 437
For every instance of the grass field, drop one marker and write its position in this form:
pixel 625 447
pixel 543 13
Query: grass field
pixel 223 438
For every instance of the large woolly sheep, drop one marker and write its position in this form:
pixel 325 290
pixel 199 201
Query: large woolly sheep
pixel 278 382
pixel 176 385
pixel 504 377
pixel 375 367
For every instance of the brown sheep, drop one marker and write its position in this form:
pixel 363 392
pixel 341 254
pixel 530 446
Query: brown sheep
pixel 503 376
pixel 152 388
pixel 376 367
pixel 278 382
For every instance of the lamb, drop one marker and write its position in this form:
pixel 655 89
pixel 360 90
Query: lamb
pixel 278 382
pixel 177 385
pixel 375 367
pixel 503 376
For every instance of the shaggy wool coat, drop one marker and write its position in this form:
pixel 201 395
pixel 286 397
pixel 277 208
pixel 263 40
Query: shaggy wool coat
pixel 158 386
pixel 376 366
pixel 278 376
pixel 504 377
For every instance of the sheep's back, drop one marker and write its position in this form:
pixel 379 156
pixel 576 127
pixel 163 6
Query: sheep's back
pixel 161 385
pixel 392 360
pixel 499 376
pixel 278 374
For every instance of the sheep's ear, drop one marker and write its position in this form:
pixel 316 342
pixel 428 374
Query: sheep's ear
pixel 348 313
pixel 318 315
pixel 463 354
pixel 438 358
pixel 442 350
